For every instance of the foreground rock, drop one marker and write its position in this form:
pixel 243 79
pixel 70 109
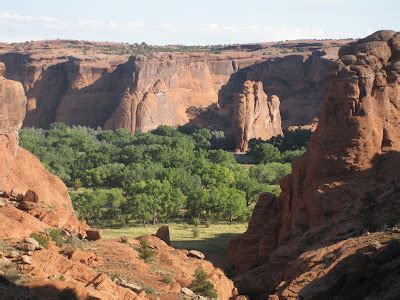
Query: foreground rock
pixel 163 234
pixel 345 184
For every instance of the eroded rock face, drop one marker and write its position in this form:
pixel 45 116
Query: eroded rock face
pixel 140 93
pixel 20 171
pixel 346 181
pixel 255 115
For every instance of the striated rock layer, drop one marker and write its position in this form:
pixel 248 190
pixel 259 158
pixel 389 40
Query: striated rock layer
pixel 255 115
pixel 140 93
pixel 20 171
pixel 346 182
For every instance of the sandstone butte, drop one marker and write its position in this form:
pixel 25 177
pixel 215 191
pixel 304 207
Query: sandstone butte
pixel 32 200
pixel 313 241
pixel 62 83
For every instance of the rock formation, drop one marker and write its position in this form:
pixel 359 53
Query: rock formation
pixel 255 115
pixel 34 201
pixel 297 79
pixel 346 183
pixel 20 171
pixel 142 92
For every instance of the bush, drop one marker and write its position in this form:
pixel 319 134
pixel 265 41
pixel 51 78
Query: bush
pixel 145 252
pixel 149 290
pixel 56 236
pixel 196 222
pixel 41 238
pixel 208 223
pixel 265 153
pixel 195 232
pixel 168 279
pixel 202 286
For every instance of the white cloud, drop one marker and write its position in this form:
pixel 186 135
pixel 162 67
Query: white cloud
pixel 255 33
pixel 17 27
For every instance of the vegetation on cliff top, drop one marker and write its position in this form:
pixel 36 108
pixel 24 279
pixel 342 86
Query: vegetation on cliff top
pixel 163 175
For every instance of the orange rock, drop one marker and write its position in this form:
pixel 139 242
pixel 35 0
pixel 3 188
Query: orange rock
pixel 345 182
pixel 255 115
pixel 21 172
pixel 163 234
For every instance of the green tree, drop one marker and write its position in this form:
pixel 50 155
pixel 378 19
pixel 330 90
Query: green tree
pixel 202 285
pixel 265 153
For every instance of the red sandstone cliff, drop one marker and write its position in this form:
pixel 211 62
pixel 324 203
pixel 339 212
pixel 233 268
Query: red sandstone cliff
pixel 63 83
pixel 20 171
pixel 346 183
pixel 254 115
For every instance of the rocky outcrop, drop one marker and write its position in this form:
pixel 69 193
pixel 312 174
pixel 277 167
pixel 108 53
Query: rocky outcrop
pixel 114 270
pixel 255 115
pixel 347 180
pixel 20 171
pixel 142 92
pixel 297 79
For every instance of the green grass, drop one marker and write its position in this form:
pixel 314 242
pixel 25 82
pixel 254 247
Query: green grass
pixel 212 241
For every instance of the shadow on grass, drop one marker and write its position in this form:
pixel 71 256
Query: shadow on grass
pixel 214 248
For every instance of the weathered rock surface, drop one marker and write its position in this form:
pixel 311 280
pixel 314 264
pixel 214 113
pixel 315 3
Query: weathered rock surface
pixel 140 93
pixel 345 183
pixel 163 234
pixel 93 234
pixel 255 115
pixel 21 172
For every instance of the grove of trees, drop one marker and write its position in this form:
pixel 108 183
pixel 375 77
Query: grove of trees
pixel 159 176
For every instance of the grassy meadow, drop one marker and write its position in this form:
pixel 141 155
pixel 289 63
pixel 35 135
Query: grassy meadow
pixel 212 241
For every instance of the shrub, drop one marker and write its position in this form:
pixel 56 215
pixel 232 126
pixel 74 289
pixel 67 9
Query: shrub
pixel 167 279
pixel 195 232
pixel 149 290
pixel 196 222
pixel 61 278
pixel 202 286
pixel 41 238
pixel 145 252
pixel 56 236
pixel 208 223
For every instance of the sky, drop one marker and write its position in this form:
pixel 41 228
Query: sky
pixel 200 22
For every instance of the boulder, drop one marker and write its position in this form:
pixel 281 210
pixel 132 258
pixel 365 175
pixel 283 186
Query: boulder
pixel 26 259
pixel 93 234
pixel 13 254
pixel 188 292
pixel 4 261
pixel 33 242
pixel 31 196
pixel 26 247
pixel 163 234
pixel 196 254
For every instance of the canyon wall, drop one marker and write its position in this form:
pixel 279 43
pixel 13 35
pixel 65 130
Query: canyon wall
pixel 297 79
pixel 20 171
pixel 142 92
pixel 346 183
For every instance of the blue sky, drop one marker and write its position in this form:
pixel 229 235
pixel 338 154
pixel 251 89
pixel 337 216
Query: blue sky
pixel 194 22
